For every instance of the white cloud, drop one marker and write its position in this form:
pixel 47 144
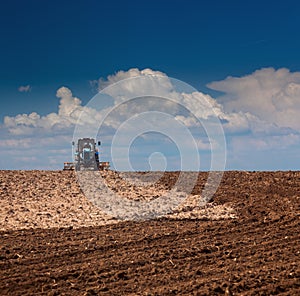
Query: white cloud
pixel 24 88
pixel 15 143
pixel 258 112
pixel 271 95
pixel 202 106
pixel 69 110
pixel 35 152
pixel 275 142
pixel 131 86
pixel 165 98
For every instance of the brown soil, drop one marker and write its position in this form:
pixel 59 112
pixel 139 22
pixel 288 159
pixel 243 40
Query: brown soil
pixel 47 199
pixel 253 251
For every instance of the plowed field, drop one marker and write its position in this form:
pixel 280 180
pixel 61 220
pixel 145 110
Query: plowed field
pixel 256 251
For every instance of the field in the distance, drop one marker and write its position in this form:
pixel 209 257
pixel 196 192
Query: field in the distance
pixel 245 242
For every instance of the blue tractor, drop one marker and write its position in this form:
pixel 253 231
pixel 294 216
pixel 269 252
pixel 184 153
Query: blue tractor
pixel 86 157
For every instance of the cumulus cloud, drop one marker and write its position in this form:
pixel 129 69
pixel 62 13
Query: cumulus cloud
pixel 131 73
pixel 233 110
pixel 271 95
pixel 170 96
pixel 69 110
pixel 24 88
pixel 259 110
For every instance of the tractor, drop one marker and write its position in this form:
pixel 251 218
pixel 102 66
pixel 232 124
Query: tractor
pixel 86 156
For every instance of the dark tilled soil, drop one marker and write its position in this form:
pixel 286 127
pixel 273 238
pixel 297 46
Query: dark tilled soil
pixel 256 254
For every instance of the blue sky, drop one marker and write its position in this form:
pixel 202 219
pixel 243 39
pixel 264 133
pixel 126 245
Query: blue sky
pixel 47 45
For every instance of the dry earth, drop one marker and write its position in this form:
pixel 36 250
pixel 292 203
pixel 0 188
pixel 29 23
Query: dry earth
pixel 45 199
pixel 246 241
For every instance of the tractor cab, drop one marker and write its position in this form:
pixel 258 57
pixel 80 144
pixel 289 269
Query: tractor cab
pixel 85 155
